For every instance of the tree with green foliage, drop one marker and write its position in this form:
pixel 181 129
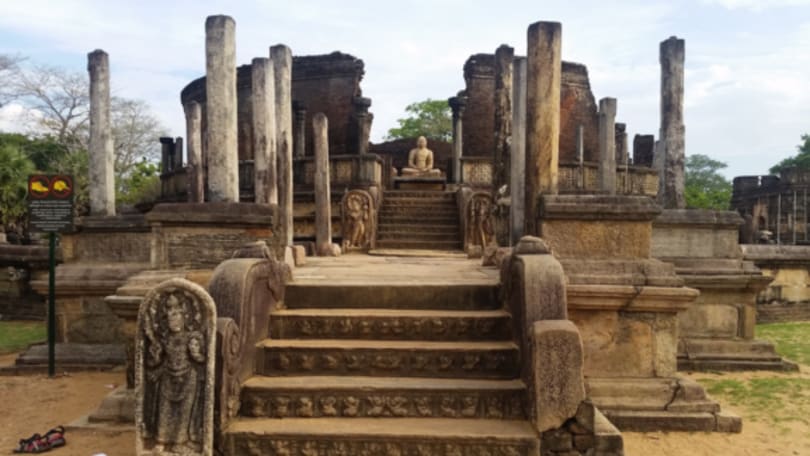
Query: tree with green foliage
pixel 705 187
pixel 141 185
pixel 15 168
pixel 800 160
pixel 429 118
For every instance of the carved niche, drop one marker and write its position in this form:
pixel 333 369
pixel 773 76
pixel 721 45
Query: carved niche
pixel 479 223
pixel 359 220
pixel 175 350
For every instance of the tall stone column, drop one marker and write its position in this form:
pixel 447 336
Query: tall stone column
pixel 672 56
pixel 166 154
pixel 581 156
pixel 457 105
pixel 363 123
pixel 300 129
pixel 102 155
pixel 178 153
pixel 196 169
pixel 543 79
pixel 323 198
pixel 264 131
pixel 504 56
pixel 607 145
pixel 622 154
pixel 281 56
pixel 220 109
pixel 518 153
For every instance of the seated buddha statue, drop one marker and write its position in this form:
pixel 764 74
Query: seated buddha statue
pixel 420 161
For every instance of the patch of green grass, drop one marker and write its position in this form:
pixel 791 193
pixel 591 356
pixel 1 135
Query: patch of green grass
pixel 792 340
pixel 776 400
pixel 17 335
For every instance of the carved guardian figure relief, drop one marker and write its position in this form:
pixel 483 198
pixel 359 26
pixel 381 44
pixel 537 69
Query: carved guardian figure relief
pixel 174 370
pixel 480 230
pixel 359 220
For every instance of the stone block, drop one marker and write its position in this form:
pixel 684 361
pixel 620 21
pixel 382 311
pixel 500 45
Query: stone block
pixel 299 255
pixel 558 440
pixel 603 239
pixel 586 413
pixel 709 321
pixel 727 422
pixel 289 257
pixel 557 385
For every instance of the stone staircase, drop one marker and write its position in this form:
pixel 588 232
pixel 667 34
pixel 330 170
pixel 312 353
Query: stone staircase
pixel 419 220
pixel 386 369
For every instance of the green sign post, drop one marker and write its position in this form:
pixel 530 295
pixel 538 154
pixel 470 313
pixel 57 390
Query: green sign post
pixel 50 210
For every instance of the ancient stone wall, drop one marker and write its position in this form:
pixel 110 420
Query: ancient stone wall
pixel 479 116
pixel 577 107
pixel 329 84
pixel 320 83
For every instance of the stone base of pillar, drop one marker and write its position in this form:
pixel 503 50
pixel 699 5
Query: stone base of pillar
pixel 717 332
pixel 626 306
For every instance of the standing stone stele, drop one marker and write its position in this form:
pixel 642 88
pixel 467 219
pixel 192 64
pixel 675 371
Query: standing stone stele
pixel 672 133
pixel 607 145
pixel 457 105
pixel 281 56
pixel 220 109
pixel 504 56
pixel 323 197
pixel 518 154
pixel 196 169
pixel 543 80
pixel 264 131
pixel 175 351
pixel 102 178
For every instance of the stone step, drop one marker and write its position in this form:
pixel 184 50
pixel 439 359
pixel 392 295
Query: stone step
pixel 397 194
pixel 414 235
pixel 373 397
pixel 417 212
pixel 494 360
pixel 418 244
pixel 381 436
pixel 422 295
pixel 657 421
pixel 419 227
pixel 388 324
pixel 427 218
pixel 726 364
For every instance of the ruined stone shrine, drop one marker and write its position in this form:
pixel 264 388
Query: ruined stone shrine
pixel 515 291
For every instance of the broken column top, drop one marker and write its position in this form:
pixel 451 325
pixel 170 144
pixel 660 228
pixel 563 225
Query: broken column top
pixel 673 47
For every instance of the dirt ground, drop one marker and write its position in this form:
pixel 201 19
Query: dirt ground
pixel 36 403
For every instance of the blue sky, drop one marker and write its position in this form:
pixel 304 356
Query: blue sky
pixel 747 61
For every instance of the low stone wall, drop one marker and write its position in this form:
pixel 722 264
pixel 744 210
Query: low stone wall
pixel 17 264
pixel 788 296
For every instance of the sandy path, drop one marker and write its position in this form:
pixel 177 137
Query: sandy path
pixel 37 403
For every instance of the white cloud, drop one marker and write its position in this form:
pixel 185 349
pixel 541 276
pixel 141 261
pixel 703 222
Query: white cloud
pixel 756 5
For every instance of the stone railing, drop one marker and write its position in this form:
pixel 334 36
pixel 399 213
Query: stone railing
pixel 534 291
pixel 245 291
pixel 573 177
pixel 344 170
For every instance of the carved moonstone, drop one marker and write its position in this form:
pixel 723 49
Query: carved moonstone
pixel 175 350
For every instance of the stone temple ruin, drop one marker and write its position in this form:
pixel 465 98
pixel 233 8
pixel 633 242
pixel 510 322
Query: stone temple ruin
pixel 531 288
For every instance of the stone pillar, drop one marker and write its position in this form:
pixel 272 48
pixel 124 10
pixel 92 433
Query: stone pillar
pixel 607 146
pixel 517 176
pixel 166 152
pixel 264 131
pixel 672 132
pixel 543 79
pixel 323 198
pixel 363 123
pixel 643 147
pixel 220 109
pixel 622 155
pixel 300 129
pixel 457 105
pixel 178 153
pixel 102 155
pixel 196 170
pixel 581 156
pixel 281 56
pixel 504 56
